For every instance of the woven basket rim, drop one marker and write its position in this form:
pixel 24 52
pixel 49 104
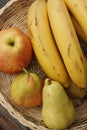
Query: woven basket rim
pixel 10 107
pixel 10 2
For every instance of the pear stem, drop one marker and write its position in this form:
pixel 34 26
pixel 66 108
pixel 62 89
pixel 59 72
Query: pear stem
pixel 26 71
pixel 49 82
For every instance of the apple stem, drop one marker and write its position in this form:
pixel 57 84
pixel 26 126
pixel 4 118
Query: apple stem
pixel 26 71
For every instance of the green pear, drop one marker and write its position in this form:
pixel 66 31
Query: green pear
pixel 26 90
pixel 58 111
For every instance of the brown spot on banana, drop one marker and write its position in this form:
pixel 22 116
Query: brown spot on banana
pixel 77 66
pixel 69 47
pixel 71 33
pixel 86 7
pixel 55 70
pixel 43 49
pixel 75 5
pixel 36 23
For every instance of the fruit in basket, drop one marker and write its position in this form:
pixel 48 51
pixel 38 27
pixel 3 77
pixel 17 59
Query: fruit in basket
pixel 43 43
pixel 26 89
pixel 75 92
pixel 15 50
pixel 58 111
pixel 78 29
pixel 79 11
pixel 67 41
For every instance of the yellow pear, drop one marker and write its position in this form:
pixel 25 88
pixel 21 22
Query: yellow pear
pixel 26 90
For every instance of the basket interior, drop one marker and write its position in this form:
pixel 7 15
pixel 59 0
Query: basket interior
pixel 15 15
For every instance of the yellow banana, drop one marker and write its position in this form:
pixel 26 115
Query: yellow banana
pixel 74 91
pixel 78 29
pixel 78 8
pixel 43 43
pixel 67 41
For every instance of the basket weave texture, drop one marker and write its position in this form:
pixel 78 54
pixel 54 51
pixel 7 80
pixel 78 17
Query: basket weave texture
pixel 14 14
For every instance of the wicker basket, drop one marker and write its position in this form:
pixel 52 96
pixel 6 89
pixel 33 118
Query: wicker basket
pixel 14 14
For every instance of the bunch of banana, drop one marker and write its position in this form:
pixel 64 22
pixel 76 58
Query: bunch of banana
pixel 78 29
pixel 75 92
pixel 67 41
pixel 78 9
pixel 43 43
pixel 56 45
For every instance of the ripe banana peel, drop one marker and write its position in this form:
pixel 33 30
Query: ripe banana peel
pixel 78 29
pixel 78 9
pixel 43 43
pixel 67 41
pixel 74 91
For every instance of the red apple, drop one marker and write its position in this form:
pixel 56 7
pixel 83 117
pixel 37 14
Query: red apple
pixel 15 50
